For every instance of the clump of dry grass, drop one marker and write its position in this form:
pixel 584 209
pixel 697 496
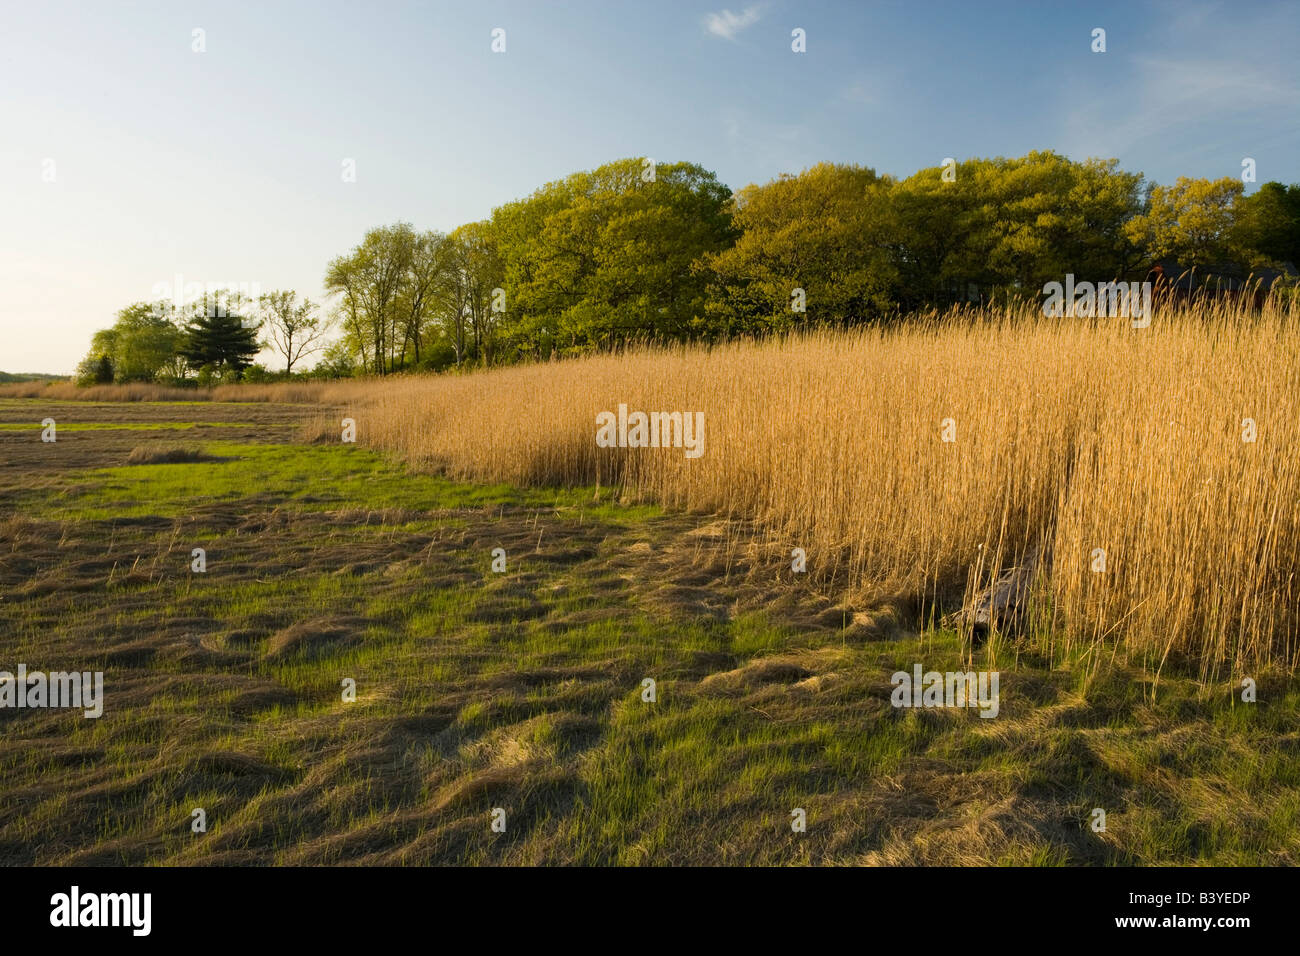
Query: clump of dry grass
pixel 1089 439
pixel 154 454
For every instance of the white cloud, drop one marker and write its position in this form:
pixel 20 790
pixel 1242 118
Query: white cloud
pixel 1210 84
pixel 861 91
pixel 1187 100
pixel 727 24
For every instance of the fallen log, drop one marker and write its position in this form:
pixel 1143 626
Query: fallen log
pixel 1000 605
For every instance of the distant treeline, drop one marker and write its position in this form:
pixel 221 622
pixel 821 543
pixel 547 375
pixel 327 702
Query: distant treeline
pixel 636 251
pixel 7 377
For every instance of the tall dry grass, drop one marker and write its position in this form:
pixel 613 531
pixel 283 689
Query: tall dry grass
pixel 290 392
pixel 1072 435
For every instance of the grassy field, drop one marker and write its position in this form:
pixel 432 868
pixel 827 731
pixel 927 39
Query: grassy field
pixel 523 689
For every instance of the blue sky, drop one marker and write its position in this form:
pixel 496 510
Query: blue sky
pixel 225 166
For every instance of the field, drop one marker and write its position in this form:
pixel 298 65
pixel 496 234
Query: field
pixel 522 689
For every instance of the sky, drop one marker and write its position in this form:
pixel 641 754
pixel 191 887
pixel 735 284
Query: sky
pixel 129 160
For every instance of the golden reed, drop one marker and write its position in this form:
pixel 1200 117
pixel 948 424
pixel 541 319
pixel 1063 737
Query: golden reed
pixel 1157 469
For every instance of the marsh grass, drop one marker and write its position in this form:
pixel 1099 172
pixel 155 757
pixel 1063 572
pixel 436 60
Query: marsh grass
pixel 521 690
pixel 1074 436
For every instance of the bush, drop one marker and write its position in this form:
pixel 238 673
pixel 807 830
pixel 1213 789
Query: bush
pixel 94 371
pixel 210 377
pixel 172 381
pixel 335 362
pixel 438 355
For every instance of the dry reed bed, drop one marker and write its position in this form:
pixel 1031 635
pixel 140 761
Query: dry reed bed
pixel 1071 436
pixel 290 392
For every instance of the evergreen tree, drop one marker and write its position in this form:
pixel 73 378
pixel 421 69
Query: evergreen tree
pixel 217 338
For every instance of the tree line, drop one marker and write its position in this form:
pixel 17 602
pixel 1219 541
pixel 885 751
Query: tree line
pixel 210 340
pixel 636 251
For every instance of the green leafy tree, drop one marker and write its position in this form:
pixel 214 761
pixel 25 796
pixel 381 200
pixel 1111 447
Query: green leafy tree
pixel 1009 225
pixel 1266 231
pixel 861 246
pixel 1190 221
pixel 477 268
pixel 606 256
pixel 141 345
pixel 339 359
pixel 94 371
pixel 293 328
pixel 371 281
pixel 417 297
pixel 811 249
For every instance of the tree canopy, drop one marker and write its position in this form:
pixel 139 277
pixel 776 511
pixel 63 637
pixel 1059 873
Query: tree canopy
pixel 634 251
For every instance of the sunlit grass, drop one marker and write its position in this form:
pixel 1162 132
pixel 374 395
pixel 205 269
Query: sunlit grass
pixel 1156 467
